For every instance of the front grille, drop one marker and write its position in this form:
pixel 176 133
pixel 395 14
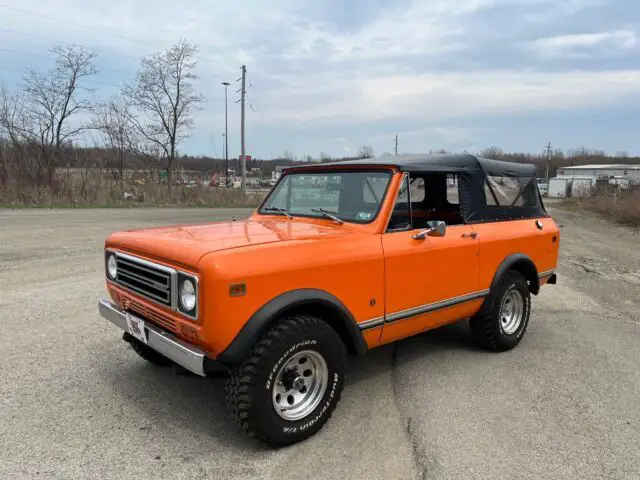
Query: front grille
pixel 144 278
pixel 161 320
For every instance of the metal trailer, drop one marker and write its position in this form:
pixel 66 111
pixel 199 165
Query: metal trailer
pixel 558 187
pixel 581 186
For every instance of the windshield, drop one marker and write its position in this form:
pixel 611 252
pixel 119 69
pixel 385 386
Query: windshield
pixel 350 196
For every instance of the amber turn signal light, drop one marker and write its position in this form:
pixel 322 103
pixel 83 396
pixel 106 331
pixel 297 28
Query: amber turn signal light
pixel 237 289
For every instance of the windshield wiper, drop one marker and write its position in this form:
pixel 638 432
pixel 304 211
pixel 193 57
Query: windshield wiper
pixel 278 209
pixel 329 214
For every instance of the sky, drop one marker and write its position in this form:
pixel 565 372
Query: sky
pixel 332 76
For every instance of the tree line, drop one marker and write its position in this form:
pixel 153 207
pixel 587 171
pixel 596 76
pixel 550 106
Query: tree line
pixel 142 126
pixel 43 119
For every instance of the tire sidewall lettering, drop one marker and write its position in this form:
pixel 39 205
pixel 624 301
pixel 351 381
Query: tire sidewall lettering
pixel 321 412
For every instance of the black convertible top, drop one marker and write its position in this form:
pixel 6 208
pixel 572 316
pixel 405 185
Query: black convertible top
pixel 425 163
pixel 488 190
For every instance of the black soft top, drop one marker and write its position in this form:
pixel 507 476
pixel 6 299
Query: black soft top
pixel 480 182
pixel 425 163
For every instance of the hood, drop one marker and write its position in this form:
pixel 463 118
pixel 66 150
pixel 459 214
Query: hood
pixel 187 244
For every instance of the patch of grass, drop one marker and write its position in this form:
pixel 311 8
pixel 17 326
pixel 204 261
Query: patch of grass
pixel 622 206
pixel 109 196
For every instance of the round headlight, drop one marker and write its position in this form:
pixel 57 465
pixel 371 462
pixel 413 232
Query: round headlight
pixel 188 295
pixel 112 267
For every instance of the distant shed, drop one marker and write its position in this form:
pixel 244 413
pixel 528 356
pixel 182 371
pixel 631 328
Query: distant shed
pixel 630 172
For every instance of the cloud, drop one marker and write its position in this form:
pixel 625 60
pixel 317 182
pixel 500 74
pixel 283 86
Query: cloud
pixel 439 96
pixel 334 74
pixel 585 43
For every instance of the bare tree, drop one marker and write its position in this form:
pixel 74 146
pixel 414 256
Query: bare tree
pixel 52 99
pixel 325 157
pixel 495 153
pixel 165 100
pixel 365 151
pixel 112 121
pixel 15 157
pixel 287 155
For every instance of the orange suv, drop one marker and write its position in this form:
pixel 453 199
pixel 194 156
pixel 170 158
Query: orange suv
pixel 338 259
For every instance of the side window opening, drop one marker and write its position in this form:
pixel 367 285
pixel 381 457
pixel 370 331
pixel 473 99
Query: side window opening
pixel 508 191
pixel 417 190
pixel 426 198
pixel 453 195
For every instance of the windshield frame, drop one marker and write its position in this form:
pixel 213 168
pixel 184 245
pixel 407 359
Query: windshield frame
pixel 325 171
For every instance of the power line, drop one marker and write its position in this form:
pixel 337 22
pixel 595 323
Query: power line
pixel 46 57
pixel 262 123
pixel 252 101
pixel 77 25
pixel 97 30
pixel 27 71
pixel 61 42
pixel 101 69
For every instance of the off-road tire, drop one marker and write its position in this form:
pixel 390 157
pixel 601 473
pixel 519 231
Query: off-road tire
pixel 249 387
pixel 149 354
pixel 487 329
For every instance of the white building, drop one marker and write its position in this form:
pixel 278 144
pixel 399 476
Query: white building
pixel 630 172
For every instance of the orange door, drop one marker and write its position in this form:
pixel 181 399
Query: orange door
pixel 429 282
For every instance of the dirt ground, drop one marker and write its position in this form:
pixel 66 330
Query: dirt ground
pixel 76 402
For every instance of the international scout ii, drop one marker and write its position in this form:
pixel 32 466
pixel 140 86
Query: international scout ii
pixel 338 259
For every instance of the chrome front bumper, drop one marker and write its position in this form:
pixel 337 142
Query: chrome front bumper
pixel 185 355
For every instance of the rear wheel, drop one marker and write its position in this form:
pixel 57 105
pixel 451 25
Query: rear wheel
pixel 290 383
pixel 505 323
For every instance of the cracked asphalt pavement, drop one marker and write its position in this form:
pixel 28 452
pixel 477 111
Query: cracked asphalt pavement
pixel 77 403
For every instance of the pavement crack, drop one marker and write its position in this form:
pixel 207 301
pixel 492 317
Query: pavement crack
pixel 409 428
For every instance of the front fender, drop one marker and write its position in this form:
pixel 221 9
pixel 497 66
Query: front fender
pixel 341 319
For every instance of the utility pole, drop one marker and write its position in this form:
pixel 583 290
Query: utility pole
pixel 226 137
pixel 242 142
pixel 546 174
pixel 224 149
pixel 396 149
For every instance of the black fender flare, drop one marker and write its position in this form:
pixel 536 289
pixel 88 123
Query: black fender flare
pixel 252 331
pixel 519 262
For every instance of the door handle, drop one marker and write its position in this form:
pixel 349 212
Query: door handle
pixel 470 235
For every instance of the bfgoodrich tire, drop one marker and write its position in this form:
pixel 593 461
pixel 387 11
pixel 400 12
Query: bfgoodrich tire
pixel 504 325
pixel 290 383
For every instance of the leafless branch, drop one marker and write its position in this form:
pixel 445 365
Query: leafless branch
pixel 164 100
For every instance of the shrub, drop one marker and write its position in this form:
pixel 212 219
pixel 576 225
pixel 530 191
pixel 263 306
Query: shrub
pixel 622 206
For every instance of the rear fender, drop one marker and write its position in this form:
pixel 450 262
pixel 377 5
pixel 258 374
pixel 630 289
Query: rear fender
pixel 520 263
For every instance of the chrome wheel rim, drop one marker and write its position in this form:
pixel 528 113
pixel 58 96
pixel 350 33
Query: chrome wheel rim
pixel 300 385
pixel 511 312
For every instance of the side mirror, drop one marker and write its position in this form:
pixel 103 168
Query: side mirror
pixel 436 229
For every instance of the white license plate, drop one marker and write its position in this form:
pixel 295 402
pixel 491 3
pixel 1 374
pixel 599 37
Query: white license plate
pixel 135 327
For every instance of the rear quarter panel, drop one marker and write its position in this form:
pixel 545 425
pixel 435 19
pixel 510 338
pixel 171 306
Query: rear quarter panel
pixel 350 267
pixel 498 240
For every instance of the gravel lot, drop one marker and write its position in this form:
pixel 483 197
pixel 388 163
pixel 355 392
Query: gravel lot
pixel 76 402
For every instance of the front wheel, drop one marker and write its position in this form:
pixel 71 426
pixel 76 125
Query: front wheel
pixel 290 383
pixel 146 352
pixel 505 323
